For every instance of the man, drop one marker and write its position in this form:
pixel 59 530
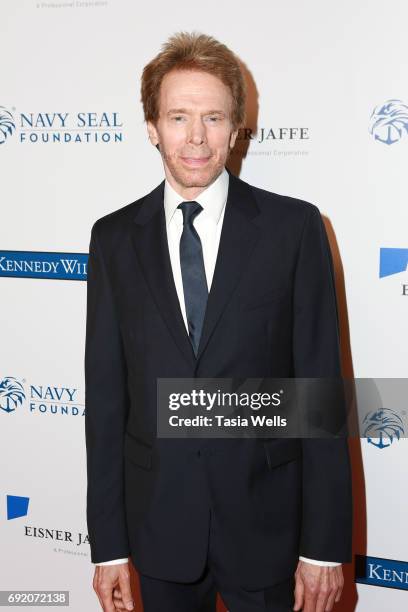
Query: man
pixel 207 276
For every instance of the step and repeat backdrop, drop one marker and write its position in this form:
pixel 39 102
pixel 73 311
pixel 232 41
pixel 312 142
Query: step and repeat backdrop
pixel 327 123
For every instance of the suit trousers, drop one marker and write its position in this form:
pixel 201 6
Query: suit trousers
pixel 200 596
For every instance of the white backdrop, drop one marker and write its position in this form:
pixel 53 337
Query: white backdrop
pixel 321 67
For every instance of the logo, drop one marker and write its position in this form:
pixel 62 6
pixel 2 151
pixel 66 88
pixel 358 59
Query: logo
pixel 277 141
pixel 382 427
pixel 34 264
pixel 277 133
pixel 375 571
pixel 11 394
pixel 61 127
pixel 39 399
pixel 389 121
pixel 394 261
pixel 61 535
pixel 16 506
pixel 7 125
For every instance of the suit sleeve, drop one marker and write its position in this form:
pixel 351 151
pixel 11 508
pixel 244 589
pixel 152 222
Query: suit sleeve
pixel 326 529
pixel 106 407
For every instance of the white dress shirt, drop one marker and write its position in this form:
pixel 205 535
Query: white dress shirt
pixel 208 224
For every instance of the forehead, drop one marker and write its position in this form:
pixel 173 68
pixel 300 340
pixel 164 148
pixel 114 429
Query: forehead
pixel 194 89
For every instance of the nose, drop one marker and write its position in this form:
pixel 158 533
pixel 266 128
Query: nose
pixel 197 134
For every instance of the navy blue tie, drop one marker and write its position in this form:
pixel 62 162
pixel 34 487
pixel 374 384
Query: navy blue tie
pixel 193 272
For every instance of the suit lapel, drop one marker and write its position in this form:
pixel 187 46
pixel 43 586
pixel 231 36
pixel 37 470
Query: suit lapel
pixel 149 238
pixel 238 238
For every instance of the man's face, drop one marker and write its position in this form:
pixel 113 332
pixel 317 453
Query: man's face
pixel 194 129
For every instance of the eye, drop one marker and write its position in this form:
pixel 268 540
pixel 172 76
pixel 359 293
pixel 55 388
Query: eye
pixel 213 118
pixel 178 118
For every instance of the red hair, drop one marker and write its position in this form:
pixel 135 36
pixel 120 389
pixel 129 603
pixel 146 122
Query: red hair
pixel 193 51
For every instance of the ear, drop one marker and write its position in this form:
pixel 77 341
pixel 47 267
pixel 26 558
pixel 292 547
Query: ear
pixel 153 134
pixel 233 138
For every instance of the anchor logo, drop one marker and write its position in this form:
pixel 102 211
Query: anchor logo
pixel 7 124
pixel 11 394
pixel 382 427
pixel 389 121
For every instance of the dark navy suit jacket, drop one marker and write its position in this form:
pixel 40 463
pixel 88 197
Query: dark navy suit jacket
pixel 271 312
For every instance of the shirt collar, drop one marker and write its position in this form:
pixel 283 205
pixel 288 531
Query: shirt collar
pixel 212 199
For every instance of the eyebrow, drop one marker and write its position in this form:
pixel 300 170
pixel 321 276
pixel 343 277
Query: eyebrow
pixel 186 111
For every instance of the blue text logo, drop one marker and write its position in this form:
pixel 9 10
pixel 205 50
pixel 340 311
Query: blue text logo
pixel 34 264
pixel 375 571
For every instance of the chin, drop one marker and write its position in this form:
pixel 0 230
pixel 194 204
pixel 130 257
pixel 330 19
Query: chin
pixel 198 177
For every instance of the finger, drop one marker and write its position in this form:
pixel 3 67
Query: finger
pixel 124 585
pixel 333 591
pixel 107 601
pixel 95 588
pixel 340 587
pixel 119 605
pixel 323 591
pixel 118 601
pixel 299 592
pixel 100 601
pixel 321 601
pixel 330 601
pixel 310 599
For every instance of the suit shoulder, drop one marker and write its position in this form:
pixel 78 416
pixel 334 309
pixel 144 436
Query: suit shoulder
pixel 116 220
pixel 284 204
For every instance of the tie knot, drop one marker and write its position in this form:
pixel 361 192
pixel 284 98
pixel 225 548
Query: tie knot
pixel 190 210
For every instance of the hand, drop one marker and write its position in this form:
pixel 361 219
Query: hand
pixel 317 587
pixel 111 583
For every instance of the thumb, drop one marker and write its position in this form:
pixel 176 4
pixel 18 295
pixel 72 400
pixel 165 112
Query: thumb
pixel 299 593
pixel 124 585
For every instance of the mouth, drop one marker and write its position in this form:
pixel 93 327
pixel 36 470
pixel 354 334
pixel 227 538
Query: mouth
pixel 195 162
